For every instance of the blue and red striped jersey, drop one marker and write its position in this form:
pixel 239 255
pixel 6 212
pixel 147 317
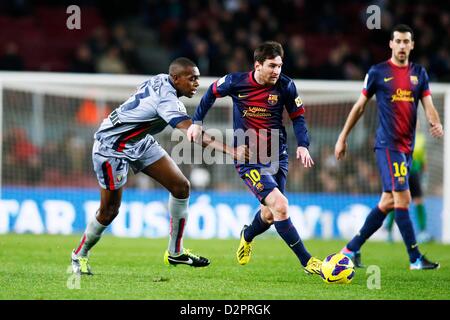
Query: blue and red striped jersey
pixel 398 91
pixel 258 107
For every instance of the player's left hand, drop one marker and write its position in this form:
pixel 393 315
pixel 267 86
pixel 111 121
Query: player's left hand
pixel 436 130
pixel 303 154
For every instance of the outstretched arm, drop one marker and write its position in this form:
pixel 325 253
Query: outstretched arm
pixel 206 103
pixel 195 131
pixel 241 153
pixel 433 117
pixel 353 117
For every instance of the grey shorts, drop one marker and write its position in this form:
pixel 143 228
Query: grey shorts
pixel 111 166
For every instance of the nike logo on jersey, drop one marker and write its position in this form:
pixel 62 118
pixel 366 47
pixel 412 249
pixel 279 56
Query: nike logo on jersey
pixel 188 261
pixel 242 95
pixel 388 79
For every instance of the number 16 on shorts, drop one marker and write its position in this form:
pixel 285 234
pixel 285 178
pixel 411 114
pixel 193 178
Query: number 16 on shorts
pixel 394 169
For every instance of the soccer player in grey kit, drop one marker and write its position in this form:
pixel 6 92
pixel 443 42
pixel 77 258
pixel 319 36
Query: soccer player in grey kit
pixel 125 138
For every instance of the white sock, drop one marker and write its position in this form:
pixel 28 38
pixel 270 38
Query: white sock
pixel 178 216
pixel 90 237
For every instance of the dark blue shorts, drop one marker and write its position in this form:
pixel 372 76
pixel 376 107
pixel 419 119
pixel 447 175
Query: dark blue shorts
pixel 261 180
pixel 394 169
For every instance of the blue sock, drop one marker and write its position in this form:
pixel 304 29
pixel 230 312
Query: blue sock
pixel 406 229
pixel 257 227
pixel 373 222
pixel 287 231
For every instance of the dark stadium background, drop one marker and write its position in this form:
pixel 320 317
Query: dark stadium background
pixel 323 39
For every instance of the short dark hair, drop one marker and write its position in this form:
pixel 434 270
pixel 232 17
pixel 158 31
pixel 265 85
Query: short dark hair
pixel 402 28
pixel 268 50
pixel 179 64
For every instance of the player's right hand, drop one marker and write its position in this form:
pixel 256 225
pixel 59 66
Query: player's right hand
pixel 194 133
pixel 436 130
pixel 303 154
pixel 340 149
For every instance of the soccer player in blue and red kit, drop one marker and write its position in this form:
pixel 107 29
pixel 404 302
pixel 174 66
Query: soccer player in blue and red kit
pixel 259 98
pixel 398 85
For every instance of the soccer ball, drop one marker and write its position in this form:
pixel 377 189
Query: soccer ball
pixel 337 268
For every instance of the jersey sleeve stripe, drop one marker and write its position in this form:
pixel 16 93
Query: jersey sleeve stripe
pixel 297 113
pixel 174 121
pixel 426 93
pixel 364 92
pixel 214 90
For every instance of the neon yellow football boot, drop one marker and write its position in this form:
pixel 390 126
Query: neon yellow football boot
pixel 80 265
pixel 313 266
pixel 244 250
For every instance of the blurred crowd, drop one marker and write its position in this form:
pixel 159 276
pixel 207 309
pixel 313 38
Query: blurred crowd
pixel 107 52
pixel 56 163
pixel 322 40
pixel 357 175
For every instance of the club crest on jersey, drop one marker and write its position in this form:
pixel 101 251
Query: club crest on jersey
pixel 259 186
pixel 414 80
pixel 272 99
pixel 401 180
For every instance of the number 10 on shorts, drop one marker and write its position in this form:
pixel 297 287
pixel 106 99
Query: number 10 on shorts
pixel 254 176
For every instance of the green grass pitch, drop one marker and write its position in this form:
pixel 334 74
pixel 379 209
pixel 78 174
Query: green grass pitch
pixel 36 267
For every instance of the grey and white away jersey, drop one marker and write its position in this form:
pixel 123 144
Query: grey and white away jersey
pixel 152 107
